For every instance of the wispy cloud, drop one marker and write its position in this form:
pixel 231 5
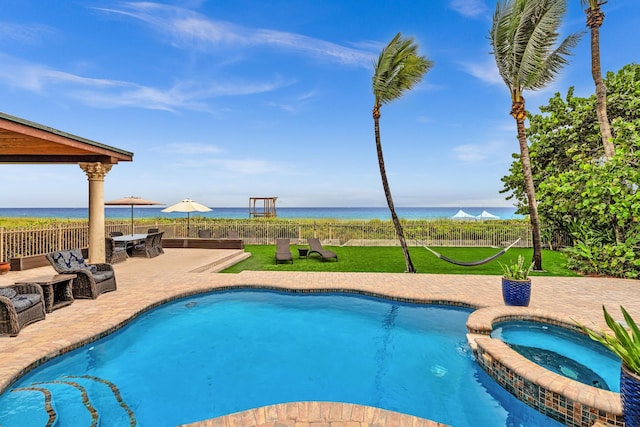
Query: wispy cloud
pixel 487 71
pixel 105 93
pixel 34 77
pixel 25 34
pixel 478 152
pixel 469 8
pixel 294 105
pixel 188 28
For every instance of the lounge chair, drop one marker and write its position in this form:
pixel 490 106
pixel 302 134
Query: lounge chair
pixel 283 251
pixel 152 230
pixel 204 234
pixel 91 279
pixel 20 305
pixel 233 235
pixel 316 247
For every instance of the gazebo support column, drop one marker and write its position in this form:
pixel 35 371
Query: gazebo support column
pixel 96 173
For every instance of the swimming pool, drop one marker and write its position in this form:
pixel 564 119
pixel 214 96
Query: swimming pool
pixel 219 353
pixel 562 351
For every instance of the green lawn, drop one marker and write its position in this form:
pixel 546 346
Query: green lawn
pixel 390 260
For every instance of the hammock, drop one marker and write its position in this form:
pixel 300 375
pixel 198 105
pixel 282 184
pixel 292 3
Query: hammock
pixel 472 263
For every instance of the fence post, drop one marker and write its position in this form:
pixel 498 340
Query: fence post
pixel 58 237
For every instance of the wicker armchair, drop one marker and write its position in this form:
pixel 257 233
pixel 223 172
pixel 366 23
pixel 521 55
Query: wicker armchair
pixel 92 279
pixel 19 306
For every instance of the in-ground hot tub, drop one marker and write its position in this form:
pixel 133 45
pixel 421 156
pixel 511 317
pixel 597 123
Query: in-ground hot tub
pixel 564 352
pixel 559 395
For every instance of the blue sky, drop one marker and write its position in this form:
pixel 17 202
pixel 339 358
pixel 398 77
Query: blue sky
pixel 223 100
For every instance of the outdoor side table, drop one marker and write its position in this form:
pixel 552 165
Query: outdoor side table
pixel 57 290
pixel 303 252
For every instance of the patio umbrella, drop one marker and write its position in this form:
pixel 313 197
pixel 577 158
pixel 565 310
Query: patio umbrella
pixel 133 201
pixel 188 206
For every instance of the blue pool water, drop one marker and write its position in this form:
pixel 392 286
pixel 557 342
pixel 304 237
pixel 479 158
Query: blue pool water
pixel 564 352
pixel 220 353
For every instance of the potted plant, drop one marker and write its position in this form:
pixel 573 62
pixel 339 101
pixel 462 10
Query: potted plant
pixel 4 267
pixel 516 284
pixel 627 347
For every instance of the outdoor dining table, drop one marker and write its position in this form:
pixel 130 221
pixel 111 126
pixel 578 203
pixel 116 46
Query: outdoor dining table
pixel 129 240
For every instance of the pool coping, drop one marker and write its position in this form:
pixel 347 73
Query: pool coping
pixel 316 414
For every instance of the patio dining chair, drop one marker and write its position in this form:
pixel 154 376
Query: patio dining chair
pixel 204 234
pixel 150 248
pixel 113 252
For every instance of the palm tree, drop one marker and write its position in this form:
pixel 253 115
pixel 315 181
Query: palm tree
pixel 523 35
pixel 399 68
pixel 595 18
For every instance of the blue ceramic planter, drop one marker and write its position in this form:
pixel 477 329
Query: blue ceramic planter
pixel 630 397
pixel 516 292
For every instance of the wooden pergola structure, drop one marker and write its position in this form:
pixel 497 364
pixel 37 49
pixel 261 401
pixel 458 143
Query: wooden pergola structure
pixel 25 142
pixel 268 209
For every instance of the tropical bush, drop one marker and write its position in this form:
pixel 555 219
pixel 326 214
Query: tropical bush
pixel 574 183
pixel 624 344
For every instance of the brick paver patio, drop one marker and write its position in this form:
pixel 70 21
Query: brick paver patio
pixel 147 282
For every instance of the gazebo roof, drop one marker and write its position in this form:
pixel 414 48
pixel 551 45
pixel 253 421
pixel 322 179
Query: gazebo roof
pixel 22 141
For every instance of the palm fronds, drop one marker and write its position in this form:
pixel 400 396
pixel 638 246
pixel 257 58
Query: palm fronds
pixel 398 69
pixel 523 36
pixel 623 343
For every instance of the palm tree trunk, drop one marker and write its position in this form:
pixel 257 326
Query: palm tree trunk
pixel 531 194
pixel 387 193
pixel 595 17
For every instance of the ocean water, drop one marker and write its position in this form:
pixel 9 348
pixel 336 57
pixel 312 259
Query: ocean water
pixel 343 213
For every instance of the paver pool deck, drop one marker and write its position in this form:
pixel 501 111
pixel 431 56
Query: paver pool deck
pixel 143 283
